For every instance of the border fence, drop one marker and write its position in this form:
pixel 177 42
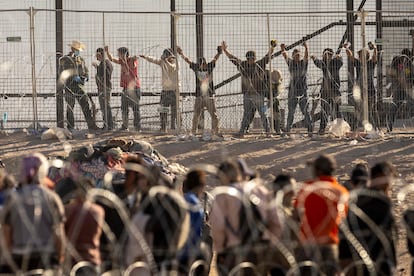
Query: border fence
pixel 30 48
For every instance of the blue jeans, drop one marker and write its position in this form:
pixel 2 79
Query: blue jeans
pixel 251 104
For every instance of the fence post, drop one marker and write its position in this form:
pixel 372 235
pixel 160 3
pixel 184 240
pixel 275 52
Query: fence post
pixel 106 98
pixel 364 72
pixel 200 48
pixel 177 75
pixel 33 61
pixel 270 102
pixel 60 119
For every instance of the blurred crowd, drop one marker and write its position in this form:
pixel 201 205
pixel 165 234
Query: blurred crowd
pixel 119 208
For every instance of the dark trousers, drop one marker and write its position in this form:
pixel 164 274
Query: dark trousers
pixel 130 98
pixel 251 104
pixel 73 93
pixel 168 99
pixel 105 104
pixel 329 107
pixel 293 101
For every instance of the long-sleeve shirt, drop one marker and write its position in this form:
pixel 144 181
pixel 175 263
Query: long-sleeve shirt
pixel 169 76
pixel 253 75
pixel 103 75
pixel 331 81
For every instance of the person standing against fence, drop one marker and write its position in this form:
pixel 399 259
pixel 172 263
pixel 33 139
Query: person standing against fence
pixel 74 74
pixel 330 65
pixel 298 94
pixel 104 84
pixel 371 63
pixel 130 84
pixel 204 89
pixel 169 83
pixel 254 86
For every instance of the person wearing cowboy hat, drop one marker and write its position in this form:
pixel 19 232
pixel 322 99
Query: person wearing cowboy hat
pixel 330 64
pixel 74 74
pixel 298 94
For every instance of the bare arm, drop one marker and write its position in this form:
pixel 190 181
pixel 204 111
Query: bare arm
pixel 349 53
pixel 284 53
pixel 180 52
pixel 151 59
pixel 227 52
pixel 110 57
pixel 219 51
pixel 306 55
pixel 375 54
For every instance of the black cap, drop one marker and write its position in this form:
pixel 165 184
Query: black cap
pixel 251 55
pixel 328 51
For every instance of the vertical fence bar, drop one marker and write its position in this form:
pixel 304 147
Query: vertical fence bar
pixel 59 53
pixel 378 20
pixel 270 103
pixel 106 98
pixel 177 89
pixel 364 70
pixel 33 61
pixel 200 46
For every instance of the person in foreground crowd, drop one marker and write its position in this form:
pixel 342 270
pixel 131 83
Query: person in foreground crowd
pixel 33 219
pixel 319 230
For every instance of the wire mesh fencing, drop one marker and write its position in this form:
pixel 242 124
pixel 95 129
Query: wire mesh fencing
pixel 29 71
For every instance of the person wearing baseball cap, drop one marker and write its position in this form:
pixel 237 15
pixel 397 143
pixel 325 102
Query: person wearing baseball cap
pixel 73 76
pixel 254 85
pixel 298 94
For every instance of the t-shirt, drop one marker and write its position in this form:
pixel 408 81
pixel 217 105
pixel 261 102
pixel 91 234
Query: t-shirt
pixel 298 71
pixel 129 74
pixel 317 203
pixel 84 228
pixel 103 75
pixel 370 75
pixel 204 79
pixel 33 212
pixel 331 81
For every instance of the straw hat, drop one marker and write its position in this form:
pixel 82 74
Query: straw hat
pixel 76 44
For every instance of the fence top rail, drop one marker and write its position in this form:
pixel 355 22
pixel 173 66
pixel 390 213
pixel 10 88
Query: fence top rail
pixel 212 13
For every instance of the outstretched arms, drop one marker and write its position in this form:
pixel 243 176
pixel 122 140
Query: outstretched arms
pixel 186 59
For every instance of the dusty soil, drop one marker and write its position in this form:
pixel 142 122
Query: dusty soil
pixel 269 156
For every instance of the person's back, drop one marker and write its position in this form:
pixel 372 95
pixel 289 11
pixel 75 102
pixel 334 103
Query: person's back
pixel 84 228
pixel 321 204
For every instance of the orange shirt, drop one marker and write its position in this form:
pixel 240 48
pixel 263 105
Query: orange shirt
pixel 321 203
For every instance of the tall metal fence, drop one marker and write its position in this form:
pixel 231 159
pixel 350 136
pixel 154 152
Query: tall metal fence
pixel 28 59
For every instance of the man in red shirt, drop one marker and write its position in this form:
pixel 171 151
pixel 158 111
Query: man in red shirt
pixel 131 86
pixel 321 204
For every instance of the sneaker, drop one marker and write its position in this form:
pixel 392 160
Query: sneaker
pixel 321 132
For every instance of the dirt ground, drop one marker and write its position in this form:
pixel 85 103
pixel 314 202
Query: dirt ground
pixel 269 156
